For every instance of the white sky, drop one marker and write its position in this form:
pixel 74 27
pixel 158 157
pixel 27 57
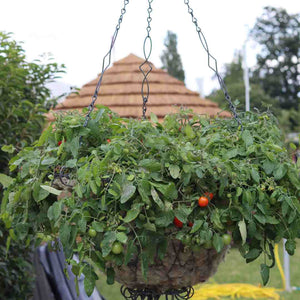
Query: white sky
pixel 78 33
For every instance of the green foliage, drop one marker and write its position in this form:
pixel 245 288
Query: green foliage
pixel 277 71
pixel 23 96
pixel 170 57
pixel 23 101
pixel 130 179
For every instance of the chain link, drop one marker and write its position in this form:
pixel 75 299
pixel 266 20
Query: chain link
pixel 145 84
pixel 105 64
pixel 212 63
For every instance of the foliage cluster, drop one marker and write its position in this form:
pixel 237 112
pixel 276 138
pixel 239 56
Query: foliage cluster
pixel 23 101
pixel 123 181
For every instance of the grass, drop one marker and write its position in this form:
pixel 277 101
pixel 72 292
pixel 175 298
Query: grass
pixel 233 270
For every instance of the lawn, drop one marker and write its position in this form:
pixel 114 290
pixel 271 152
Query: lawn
pixel 233 270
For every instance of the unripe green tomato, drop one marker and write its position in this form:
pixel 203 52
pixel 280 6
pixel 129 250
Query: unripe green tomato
pixel 117 248
pixel 142 217
pixel 226 239
pixel 273 200
pixel 92 232
pixel 126 151
pixel 208 244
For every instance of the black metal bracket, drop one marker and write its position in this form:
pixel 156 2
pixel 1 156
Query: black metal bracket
pixel 148 294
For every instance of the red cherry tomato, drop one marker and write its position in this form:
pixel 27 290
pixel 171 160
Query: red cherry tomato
pixel 210 195
pixel 108 140
pixel 177 223
pixel 190 224
pixel 203 201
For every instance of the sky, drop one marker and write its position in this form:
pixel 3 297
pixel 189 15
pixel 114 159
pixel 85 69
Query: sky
pixel 78 33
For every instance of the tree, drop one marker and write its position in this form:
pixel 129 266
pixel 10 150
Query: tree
pixel 233 78
pixel 23 101
pixel 278 63
pixel 170 58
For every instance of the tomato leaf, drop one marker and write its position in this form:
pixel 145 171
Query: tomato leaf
pixel 243 230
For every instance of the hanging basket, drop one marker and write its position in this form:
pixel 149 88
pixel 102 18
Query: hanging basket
pixel 181 267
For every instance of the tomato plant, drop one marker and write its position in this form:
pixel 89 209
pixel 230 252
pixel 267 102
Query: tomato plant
pixel 142 188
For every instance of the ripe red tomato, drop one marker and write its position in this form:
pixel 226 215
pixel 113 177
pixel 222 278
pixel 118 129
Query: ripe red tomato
pixel 59 143
pixel 210 195
pixel 108 140
pixel 177 223
pixel 203 201
pixel 190 224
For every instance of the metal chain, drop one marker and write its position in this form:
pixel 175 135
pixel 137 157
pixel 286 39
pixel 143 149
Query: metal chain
pixel 145 83
pixel 105 65
pixel 214 65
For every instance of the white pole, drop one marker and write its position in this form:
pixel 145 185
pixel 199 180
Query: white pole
pixel 246 77
pixel 286 267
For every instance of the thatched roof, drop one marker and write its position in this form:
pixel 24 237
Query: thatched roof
pixel 121 91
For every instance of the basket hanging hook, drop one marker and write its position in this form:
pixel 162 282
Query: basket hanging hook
pixel 147 52
pixel 213 64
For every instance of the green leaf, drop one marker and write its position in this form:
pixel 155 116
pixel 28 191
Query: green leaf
pixel 107 242
pixel 197 225
pixel 64 234
pixel 150 164
pixel 243 230
pixel 131 215
pixel 122 237
pixel 268 166
pixel 182 213
pixel 110 276
pixel 5 180
pixel 74 146
pixel 252 255
pixel 127 192
pixel 218 242
pixel 164 219
pixel 162 248
pixel 247 138
pixel 89 282
pixel 39 194
pixel 188 130
pixel 48 161
pixel 99 227
pixel 71 163
pixel 156 198
pixel 290 246
pixel 279 171
pixel 8 148
pixel 255 175
pixel 144 264
pixel 131 250
pixel 51 190
pixel 265 273
pixel 153 117
pixel 231 153
pixel 174 171
pixel 150 226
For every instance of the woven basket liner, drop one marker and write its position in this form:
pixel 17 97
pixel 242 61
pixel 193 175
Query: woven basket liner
pixel 121 92
pixel 179 268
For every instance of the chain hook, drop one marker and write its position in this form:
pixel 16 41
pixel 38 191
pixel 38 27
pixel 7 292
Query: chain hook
pixel 105 65
pixel 214 65
pixel 145 91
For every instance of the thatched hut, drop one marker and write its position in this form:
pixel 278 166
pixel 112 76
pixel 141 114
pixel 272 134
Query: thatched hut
pixel 121 92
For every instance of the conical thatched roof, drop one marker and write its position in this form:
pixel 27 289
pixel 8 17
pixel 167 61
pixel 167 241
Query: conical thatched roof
pixel 121 91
